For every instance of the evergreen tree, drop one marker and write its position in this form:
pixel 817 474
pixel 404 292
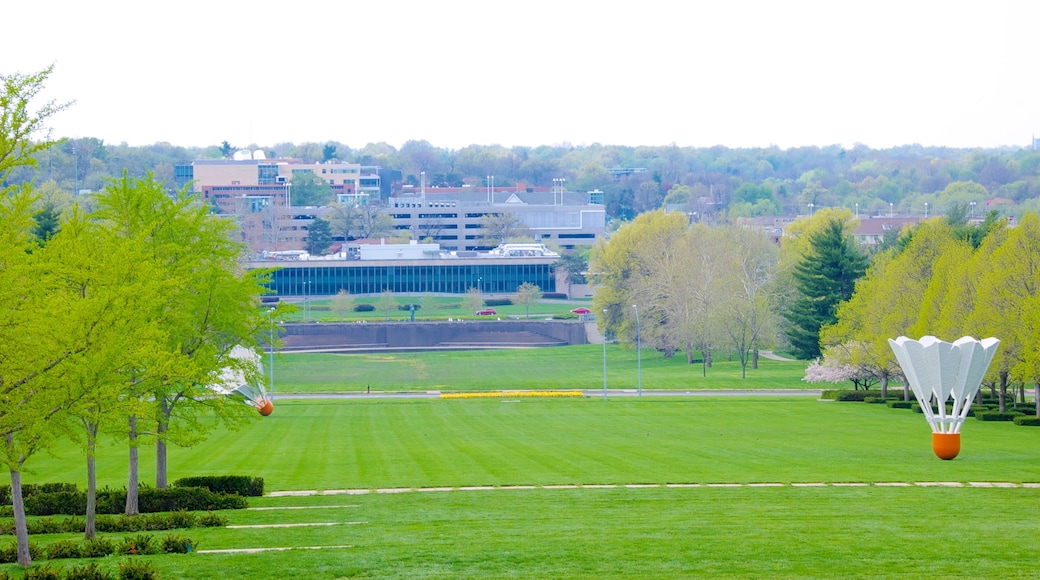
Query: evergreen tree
pixel 824 278
pixel 319 237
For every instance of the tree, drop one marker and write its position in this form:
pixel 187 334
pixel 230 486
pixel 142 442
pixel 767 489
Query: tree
pixel 328 152
pixel 474 300
pixel 227 149
pixel 823 279
pixel 387 303
pixel 526 294
pixel 750 314
pixel 309 189
pixel 42 324
pixel 342 303
pixel 499 228
pixel 318 237
pixel 211 310
pixel 574 265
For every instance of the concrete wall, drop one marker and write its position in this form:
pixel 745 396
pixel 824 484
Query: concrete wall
pixel 418 335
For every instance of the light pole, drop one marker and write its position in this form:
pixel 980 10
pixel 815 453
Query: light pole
pixel 811 210
pixel 604 354
pixel 972 204
pixel 857 210
pixel 891 206
pixel 926 210
pixel 639 355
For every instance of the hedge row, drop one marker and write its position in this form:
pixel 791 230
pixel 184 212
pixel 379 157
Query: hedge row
pixel 243 485
pixel 31 489
pixel 1020 414
pixel 121 523
pixel 149 500
pixel 141 544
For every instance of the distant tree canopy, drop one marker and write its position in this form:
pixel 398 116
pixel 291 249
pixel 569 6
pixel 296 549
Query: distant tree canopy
pixel 711 183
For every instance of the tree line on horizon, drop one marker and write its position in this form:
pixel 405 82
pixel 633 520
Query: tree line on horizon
pixel 713 183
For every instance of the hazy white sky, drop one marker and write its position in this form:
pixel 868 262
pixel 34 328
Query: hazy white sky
pixel 647 72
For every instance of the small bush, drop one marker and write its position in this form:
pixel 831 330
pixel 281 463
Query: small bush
pixel 44 573
pixel 31 489
pixel 6 511
pixel 141 544
pixel 64 549
pixel 181 519
pixel 1027 421
pixel 171 544
pixel 900 404
pixel 60 502
pixel 875 400
pixel 499 301
pixel 243 485
pixel 559 295
pixel 43 526
pixel 847 395
pixel 134 569
pixel 98 547
pixel 212 520
pixel 89 572
pixel 8 553
pixel 364 308
pixel 997 416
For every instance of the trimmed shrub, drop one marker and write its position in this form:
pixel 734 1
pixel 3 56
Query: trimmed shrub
pixel 31 489
pixel 171 544
pixel 900 404
pixel 45 573
pixel 875 400
pixel 847 395
pixel 6 511
pixel 181 519
pixel 364 308
pixel 141 544
pixel 150 500
pixel 135 569
pixel 9 552
pixel 499 301
pixel 89 572
pixel 63 549
pixel 408 307
pixel 212 520
pixel 98 547
pixel 1027 421
pixel 998 416
pixel 243 485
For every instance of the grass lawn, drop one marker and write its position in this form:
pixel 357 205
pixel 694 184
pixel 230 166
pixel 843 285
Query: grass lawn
pixel 618 532
pixel 565 367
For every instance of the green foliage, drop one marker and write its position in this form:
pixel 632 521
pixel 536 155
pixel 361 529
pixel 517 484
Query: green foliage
pixel 998 416
pixel 244 485
pixel 1026 421
pixel 212 520
pixel 98 547
pixel 141 544
pixel 173 544
pixel 319 236
pixel 43 573
pixel 309 189
pixel 900 404
pixel 63 549
pixel 30 489
pixel 825 277
pixel 150 500
pixel 854 395
pixel 365 308
pixel 91 571
pixel 137 569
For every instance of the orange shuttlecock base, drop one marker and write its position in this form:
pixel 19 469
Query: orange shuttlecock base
pixel 946 445
pixel 267 407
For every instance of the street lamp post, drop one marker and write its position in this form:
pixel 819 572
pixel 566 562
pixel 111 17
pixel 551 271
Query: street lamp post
pixel 639 355
pixel 604 354
pixel 891 206
pixel 811 206
pixel 972 204
pixel 926 210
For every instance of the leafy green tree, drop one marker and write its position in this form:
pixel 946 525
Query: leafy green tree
pixel 526 295
pixel 309 189
pixel 318 237
pixel 226 149
pixel 750 315
pixel 328 152
pixel 823 279
pixel 44 326
pixel 474 300
pixel 573 264
pixel 387 303
pixel 343 303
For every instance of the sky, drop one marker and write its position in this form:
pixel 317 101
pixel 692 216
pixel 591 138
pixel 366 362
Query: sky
pixel 738 73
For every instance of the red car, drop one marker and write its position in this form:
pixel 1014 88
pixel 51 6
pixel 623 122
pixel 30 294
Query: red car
pixel 581 310
pixel 486 312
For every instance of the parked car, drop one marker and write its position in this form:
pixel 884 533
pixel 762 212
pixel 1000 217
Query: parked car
pixel 486 312
pixel 581 310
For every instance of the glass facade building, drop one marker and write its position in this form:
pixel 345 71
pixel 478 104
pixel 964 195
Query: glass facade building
pixel 490 276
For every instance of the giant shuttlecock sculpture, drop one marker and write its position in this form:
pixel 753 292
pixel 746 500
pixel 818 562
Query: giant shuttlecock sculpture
pixel 937 371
